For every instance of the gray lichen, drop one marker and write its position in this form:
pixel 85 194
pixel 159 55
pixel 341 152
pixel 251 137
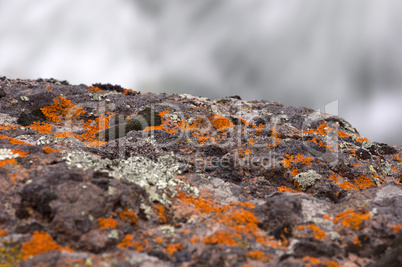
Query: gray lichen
pixel 306 179
pixel 7 154
pixel 153 176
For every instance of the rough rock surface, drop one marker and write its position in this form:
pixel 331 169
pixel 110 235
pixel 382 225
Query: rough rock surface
pixel 186 181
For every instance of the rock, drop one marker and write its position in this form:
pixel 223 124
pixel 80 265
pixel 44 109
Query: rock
pixel 127 178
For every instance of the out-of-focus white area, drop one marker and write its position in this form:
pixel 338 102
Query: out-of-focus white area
pixel 298 52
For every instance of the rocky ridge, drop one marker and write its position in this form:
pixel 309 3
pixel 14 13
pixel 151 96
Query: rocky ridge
pixel 99 174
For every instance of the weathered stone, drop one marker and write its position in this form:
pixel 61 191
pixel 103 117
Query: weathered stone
pixel 180 179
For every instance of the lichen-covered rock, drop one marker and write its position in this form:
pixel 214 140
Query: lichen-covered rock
pixel 93 175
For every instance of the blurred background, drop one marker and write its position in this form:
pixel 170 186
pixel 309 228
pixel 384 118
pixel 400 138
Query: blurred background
pixel 298 52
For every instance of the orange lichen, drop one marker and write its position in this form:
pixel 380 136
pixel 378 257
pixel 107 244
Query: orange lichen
pixel 351 218
pixel 343 134
pixel 128 242
pixel 259 255
pixel 7 127
pixel 95 89
pixel 295 172
pixel 128 216
pixel 41 242
pixel 107 223
pixel 245 152
pixel 323 129
pixel 204 206
pixel 277 140
pixel 286 189
pixel 299 158
pixel 238 222
pixel 92 128
pixel 163 113
pixel 361 139
pixel 171 248
pixel 364 182
pixel 41 127
pixel 161 212
pixel 221 123
pixel 126 91
pixel 62 109
pixel 14 141
pixel 396 227
pixel 326 217
pixel 194 240
pixel 357 164
pixel 21 154
pixel 287 160
pixel 314 231
pixel 251 140
pixel 222 238
pixel 397 158
pixel 48 150
pixel 361 183
pixel 49 88
pixel 357 242
pixel 2 233
pixel 309 261
pixel 259 129
pixel 159 240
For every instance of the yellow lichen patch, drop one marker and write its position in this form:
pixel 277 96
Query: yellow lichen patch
pixel 62 109
pixel 352 218
pixel 10 254
pixel 108 223
pixel 41 127
pixel 310 230
pixel 41 242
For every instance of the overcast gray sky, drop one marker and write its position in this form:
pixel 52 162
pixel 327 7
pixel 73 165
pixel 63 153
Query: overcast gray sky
pixel 298 52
